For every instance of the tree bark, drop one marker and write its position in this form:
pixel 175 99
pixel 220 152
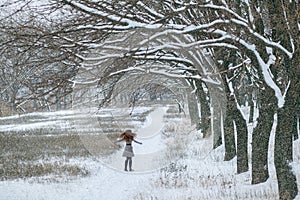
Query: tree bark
pixel 233 114
pixel 283 152
pixel 193 109
pixel 230 148
pixel 287 118
pixel 242 142
pixel 204 123
pixel 261 135
pixel 218 104
pixel 251 104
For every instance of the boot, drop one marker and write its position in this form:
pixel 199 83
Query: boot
pixel 126 163
pixel 130 165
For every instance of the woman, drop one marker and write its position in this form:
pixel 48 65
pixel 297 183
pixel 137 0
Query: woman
pixel 128 137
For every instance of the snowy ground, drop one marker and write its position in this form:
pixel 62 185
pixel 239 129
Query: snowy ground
pixel 165 167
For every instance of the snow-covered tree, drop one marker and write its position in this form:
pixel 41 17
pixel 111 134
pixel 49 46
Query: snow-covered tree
pixel 35 70
pixel 266 32
pixel 262 37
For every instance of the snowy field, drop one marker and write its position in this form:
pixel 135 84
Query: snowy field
pixel 71 155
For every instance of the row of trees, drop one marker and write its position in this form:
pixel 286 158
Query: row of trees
pixel 241 52
pixel 35 70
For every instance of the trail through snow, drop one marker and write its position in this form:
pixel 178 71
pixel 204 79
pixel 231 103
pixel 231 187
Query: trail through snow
pixel 150 154
pixel 106 182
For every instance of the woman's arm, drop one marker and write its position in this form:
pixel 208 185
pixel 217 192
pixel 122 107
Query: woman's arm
pixel 119 140
pixel 137 142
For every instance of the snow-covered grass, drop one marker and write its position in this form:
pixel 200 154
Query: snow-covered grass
pixel 30 154
pixel 44 156
pixel 41 144
pixel 201 174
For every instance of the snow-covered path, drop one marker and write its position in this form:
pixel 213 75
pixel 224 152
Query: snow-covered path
pixel 107 181
pixel 154 124
pixel 150 154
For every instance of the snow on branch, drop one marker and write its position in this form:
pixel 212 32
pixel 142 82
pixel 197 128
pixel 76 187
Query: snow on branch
pixel 225 9
pixel 150 70
pixel 124 22
pixel 150 11
pixel 266 41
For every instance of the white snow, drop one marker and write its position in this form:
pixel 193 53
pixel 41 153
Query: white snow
pixel 104 184
pixel 20 127
pixel 198 171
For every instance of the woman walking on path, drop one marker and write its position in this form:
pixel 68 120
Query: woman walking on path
pixel 128 136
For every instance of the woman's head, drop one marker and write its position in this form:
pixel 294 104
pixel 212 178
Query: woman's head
pixel 128 135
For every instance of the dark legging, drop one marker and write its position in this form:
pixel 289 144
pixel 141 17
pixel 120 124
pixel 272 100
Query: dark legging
pixel 128 161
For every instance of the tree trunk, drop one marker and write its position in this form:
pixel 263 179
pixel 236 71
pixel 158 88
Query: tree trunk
pixel 205 110
pixel 261 135
pixel 229 139
pixel 242 142
pixel 251 104
pixel 295 127
pixel 283 154
pixel 287 119
pixel 218 104
pixel 193 109
pixel 233 114
pixel 230 148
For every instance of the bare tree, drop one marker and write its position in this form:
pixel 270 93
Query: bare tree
pixel 36 71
